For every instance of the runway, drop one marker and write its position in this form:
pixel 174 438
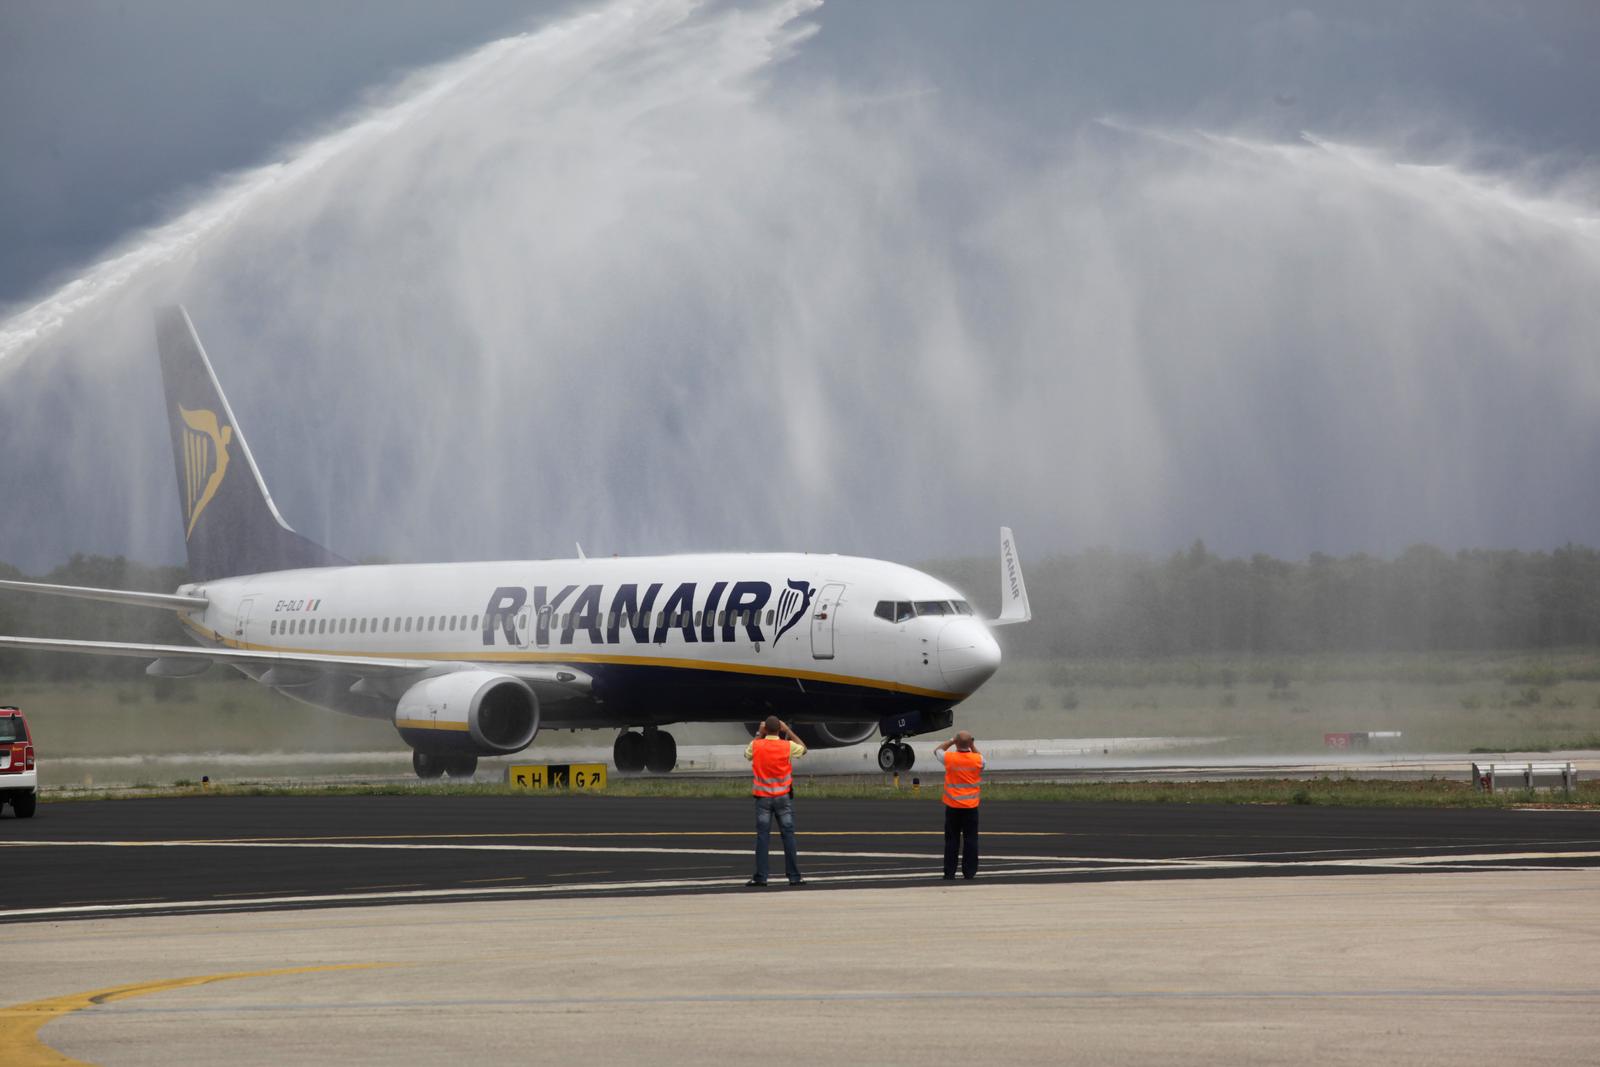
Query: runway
pixel 264 930
pixel 96 859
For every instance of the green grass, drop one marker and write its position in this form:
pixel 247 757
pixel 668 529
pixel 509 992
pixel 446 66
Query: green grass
pixel 1277 705
pixel 1491 701
pixel 1321 792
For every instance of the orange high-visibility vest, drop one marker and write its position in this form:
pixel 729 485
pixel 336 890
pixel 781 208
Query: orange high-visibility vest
pixel 963 777
pixel 769 762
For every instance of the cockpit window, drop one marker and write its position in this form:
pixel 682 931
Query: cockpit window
pixel 963 608
pixel 932 607
pixel 895 610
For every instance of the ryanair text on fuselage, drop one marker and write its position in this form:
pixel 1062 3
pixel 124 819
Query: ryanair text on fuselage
pixel 726 609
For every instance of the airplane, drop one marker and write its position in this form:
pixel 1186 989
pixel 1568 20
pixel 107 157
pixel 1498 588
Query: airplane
pixel 474 659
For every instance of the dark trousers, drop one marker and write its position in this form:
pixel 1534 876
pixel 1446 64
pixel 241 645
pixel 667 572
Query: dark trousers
pixel 960 835
pixel 782 809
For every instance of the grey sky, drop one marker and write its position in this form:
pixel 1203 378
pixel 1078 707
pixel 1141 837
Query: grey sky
pixel 1182 322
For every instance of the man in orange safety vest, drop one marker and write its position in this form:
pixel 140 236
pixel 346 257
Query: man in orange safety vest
pixel 963 780
pixel 769 755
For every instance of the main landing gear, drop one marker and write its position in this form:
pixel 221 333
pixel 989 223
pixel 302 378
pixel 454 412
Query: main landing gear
pixel 653 750
pixel 431 765
pixel 895 755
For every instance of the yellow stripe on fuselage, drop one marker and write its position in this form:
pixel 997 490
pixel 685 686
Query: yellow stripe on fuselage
pixel 510 656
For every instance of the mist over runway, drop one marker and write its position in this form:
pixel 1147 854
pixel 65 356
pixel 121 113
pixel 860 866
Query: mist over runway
pixel 656 276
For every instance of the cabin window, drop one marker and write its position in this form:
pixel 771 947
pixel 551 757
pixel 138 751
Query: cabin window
pixel 385 625
pixel 273 629
pixel 769 616
pixel 697 618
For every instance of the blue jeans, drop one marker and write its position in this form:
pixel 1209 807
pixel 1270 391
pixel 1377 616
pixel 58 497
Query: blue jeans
pixel 783 808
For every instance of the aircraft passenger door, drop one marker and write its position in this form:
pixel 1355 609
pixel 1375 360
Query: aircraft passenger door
pixel 822 613
pixel 241 621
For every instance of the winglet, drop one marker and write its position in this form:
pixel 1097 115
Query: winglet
pixel 579 546
pixel 1013 590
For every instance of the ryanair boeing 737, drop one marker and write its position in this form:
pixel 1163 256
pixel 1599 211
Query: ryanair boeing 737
pixel 471 659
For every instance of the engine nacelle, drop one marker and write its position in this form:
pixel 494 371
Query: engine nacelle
pixel 477 712
pixel 827 734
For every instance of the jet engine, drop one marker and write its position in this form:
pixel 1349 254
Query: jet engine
pixel 827 734
pixel 480 713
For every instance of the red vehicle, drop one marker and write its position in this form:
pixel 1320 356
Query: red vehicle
pixel 19 782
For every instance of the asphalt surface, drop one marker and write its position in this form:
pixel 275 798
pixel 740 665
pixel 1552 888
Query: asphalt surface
pixel 99 859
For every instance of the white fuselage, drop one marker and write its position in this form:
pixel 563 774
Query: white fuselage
pixel 665 638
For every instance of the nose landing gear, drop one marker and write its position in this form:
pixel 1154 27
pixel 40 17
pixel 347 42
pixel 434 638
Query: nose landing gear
pixel 653 750
pixel 895 755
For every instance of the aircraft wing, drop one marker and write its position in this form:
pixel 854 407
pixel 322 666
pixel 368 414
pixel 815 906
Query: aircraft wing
pixel 552 682
pixel 132 598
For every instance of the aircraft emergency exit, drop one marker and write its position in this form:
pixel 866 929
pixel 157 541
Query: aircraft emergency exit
pixel 473 659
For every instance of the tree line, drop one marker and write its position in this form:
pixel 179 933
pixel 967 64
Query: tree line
pixel 1094 603
pixel 1106 603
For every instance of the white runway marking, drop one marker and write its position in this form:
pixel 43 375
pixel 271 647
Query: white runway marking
pixel 998 865
pixel 629 850
pixel 417 895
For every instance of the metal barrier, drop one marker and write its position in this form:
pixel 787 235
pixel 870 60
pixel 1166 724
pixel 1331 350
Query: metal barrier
pixel 1487 777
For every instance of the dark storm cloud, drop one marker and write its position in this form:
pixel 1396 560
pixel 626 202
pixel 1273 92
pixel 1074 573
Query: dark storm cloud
pixel 112 110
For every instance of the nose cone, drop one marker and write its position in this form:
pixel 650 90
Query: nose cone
pixel 968 654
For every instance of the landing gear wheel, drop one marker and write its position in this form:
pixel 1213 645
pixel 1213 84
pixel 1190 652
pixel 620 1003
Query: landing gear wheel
pixel 660 752
pixel 629 752
pixel 22 806
pixel 426 764
pixel 462 767
pixel 888 756
pixel 904 756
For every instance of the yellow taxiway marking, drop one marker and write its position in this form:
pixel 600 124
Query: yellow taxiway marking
pixel 20 1023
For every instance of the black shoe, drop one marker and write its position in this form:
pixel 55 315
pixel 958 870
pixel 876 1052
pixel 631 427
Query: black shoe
pixel 755 883
pixel 797 881
pixel 968 877
pixel 949 877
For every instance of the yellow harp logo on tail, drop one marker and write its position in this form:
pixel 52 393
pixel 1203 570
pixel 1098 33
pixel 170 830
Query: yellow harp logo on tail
pixel 205 461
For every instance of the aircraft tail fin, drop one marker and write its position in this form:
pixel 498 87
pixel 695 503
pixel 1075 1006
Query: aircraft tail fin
pixel 1013 590
pixel 230 524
